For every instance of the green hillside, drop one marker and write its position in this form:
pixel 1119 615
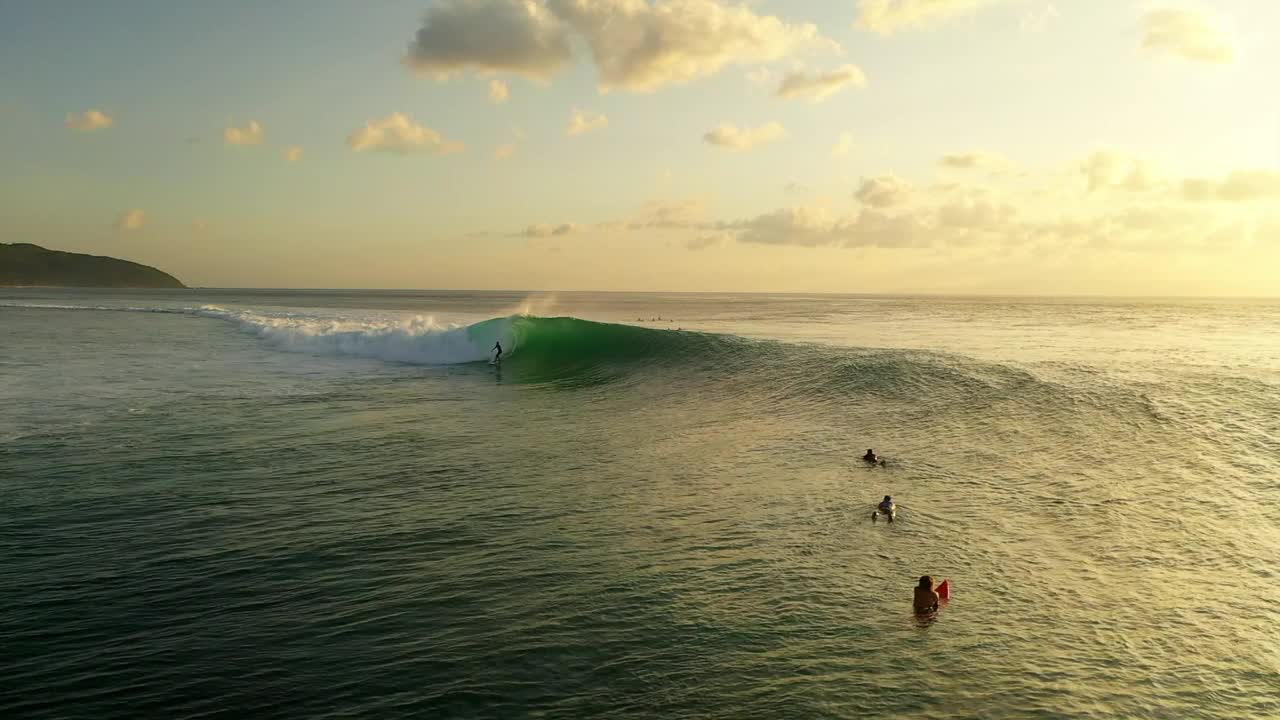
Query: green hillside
pixel 32 265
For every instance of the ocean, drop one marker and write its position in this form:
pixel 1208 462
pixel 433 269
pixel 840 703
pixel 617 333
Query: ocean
pixel 324 504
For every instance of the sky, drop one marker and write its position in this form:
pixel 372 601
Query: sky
pixel 876 146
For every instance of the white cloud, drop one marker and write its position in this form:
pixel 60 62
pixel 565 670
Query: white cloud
pixel 498 92
pixel 544 230
pixel 505 151
pixel 821 86
pixel 735 139
pixel 398 133
pixel 976 211
pixel 817 227
pixel 1106 169
pixel 888 16
pixel 89 120
pixel 1100 213
pixel 519 36
pixel 884 191
pixel 707 240
pixel 641 46
pixel 1239 186
pixel 584 121
pixel 974 160
pixel 761 76
pixel 843 146
pixel 804 226
pixel 1190 34
pixel 672 214
pixel 293 153
pixel 1034 21
pixel 131 220
pixel 250 134
pixel 635 45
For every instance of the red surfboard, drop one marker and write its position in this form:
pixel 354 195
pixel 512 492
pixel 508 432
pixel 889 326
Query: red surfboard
pixel 944 590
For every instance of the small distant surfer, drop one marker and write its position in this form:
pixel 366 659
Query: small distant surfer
pixel 497 347
pixel 871 458
pixel 926 598
pixel 886 508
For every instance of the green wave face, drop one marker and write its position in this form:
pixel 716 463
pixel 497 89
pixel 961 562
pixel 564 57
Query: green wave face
pixel 772 376
pixel 537 349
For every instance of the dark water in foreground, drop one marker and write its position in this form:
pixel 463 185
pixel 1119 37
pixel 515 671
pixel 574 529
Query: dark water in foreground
pixel 221 504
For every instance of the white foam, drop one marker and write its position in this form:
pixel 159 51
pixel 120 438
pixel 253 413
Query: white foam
pixel 417 340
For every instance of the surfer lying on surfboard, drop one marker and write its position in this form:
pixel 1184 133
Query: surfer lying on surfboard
pixel 886 508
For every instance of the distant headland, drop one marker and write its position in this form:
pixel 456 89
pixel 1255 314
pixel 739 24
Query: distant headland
pixel 24 264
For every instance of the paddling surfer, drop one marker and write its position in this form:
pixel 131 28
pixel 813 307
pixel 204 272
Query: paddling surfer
pixel 886 508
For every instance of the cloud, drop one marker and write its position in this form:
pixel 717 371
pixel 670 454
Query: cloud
pixel 250 134
pixel 635 45
pixel 1034 21
pixel 1113 205
pixel 397 133
pixel 674 214
pixel 889 16
pixel 761 76
pixel 543 230
pixel 843 145
pixel 498 92
pixel 817 227
pixel 641 46
pixel 89 120
pixel 130 220
pixel 976 211
pixel 822 86
pixel 707 240
pixel 804 226
pixel 518 36
pixel 293 153
pixel 973 160
pixel 505 151
pixel 1190 34
pixel 581 122
pixel 1240 186
pixel 735 139
pixel 1109 169
pixel 883 192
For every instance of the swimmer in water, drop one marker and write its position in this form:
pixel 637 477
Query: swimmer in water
pixel 926 598
pixel 886 508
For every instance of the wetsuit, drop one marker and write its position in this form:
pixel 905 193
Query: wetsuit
pixel 497 346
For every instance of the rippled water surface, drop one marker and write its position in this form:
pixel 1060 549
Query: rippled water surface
pixel 311 504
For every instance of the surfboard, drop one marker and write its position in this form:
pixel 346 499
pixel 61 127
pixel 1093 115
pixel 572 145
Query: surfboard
pixel 944 590
pixel 892 513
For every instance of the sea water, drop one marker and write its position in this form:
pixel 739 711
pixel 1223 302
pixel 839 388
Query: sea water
pixel 329 504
